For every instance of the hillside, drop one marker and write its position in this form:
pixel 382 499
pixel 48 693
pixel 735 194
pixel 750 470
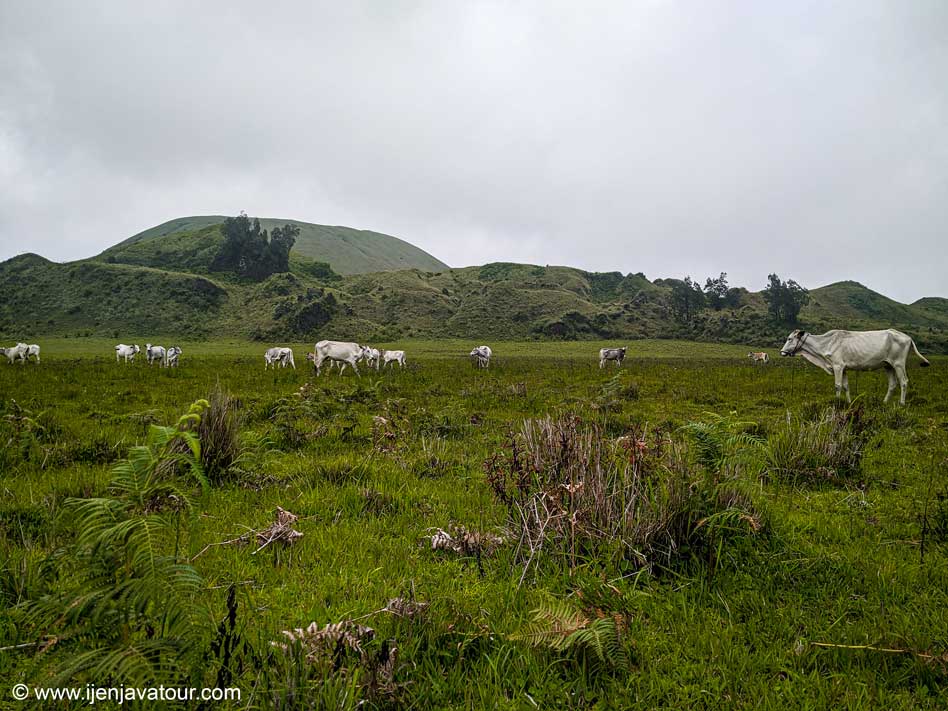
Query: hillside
pixel 346 250
pixel 501 300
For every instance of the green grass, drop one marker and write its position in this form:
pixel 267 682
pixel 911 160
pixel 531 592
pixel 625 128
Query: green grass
pixel 836 564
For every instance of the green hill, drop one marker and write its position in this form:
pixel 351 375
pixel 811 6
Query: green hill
pixel 346 250
pixel 159 284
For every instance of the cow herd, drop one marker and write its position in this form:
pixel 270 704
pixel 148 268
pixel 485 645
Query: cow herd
pixel 167 357
pixel 834 352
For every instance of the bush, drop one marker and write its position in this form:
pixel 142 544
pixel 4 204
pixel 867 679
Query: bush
pixel 573 494
pixel 827 447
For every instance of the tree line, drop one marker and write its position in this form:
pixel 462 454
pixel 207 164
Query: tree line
pixel 784 298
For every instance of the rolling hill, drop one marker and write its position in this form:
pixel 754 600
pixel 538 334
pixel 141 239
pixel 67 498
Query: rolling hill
pixel 157 283
pixel 346 250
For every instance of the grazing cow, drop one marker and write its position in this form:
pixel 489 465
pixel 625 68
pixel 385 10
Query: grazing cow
pixel 19 352
pixel 33 350
pixel 838 351
pixel 758 357
pixel 155 354
pixel 616 354
pixel 126 352
pixel 480 356
pixel 171 357
pixel 372 356
pixel 394 357
pixel 283 356
pixel 344 352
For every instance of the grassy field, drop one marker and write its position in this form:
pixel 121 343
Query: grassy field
pixel 801 583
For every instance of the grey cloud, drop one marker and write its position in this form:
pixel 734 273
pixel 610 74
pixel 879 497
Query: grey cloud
pixel 662 137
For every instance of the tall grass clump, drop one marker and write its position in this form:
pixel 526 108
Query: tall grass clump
pixel 576 496
pixel 827 448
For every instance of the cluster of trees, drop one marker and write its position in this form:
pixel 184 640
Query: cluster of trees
pixel 250 252
pixel 688 298
pixel 784 299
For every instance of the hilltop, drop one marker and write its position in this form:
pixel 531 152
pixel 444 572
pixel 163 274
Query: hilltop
pixel 158 283
pixel 346 250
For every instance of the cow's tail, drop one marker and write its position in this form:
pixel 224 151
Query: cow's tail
pixel 925 362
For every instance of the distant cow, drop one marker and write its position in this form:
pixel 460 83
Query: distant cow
pixel 155 354
pixel 171 357
pixel 343 352
pixel 283 356
pixel 393 357
pixel 126 352
pixel 372 356
pixel 480 356
pixel 614 354
pixel 758 357
pixel 838 351
pixel 21 352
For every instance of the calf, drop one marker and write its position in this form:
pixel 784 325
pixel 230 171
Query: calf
pixel 758 357
pixel 171 357
pixel 394 357
pixel 480 356
pixel 283 356
pixel 613 354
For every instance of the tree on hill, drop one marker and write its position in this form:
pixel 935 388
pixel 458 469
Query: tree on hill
pixel 686 299
pixel 717 294
pixel 784 299
pixel 250 252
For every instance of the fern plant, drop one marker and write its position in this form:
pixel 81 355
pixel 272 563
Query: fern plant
pixel 559 626
pixel 126 597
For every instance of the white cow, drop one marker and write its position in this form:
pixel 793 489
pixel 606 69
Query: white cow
pixel 614 354
pixel 372 356
pixel 758 357
pixel 480 356
pixel 126 352
pixel 344 352
pixel 283 356
pixel 171 358
pixel 20 352
pixel 33 350
pixel 155 354
pixel 394 357
pixel 839 351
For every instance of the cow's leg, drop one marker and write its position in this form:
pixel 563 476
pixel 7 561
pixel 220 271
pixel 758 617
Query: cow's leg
pixel 355 368
pixel 893 381
pixel 846 386
pixel 838 377
pixel 602 363
pixel 903 382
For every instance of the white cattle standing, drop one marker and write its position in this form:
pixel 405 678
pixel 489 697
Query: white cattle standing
pixel 33 350
pixel 480 356
pixel 126 352
pixel 171 357
pixel 838 351
pixel 758 357
pixel 343 352
pixel 155 354
pixel 614 354
pixel 394 357
pixel 283 356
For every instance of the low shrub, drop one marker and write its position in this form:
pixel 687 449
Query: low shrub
pixel 824 447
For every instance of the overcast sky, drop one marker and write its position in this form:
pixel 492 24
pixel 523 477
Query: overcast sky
pixel 672 138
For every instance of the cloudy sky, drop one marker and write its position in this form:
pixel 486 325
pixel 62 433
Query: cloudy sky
pixel 673 138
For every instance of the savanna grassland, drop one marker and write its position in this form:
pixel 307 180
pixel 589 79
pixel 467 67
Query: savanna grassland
pixel 690 531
